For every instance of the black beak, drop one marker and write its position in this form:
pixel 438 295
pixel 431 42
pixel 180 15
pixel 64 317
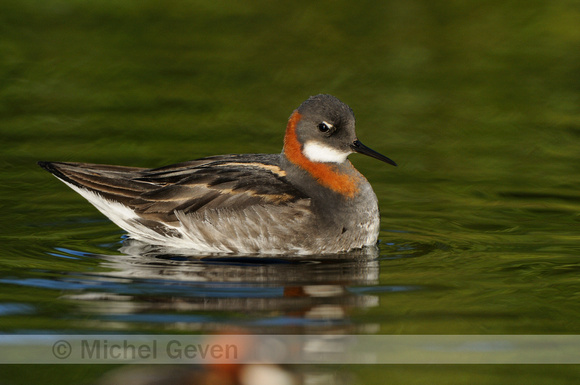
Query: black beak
pixel 357 146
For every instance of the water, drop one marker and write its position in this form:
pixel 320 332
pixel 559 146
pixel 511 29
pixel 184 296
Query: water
pixel 479 104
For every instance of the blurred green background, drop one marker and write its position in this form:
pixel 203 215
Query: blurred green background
pixel 478 103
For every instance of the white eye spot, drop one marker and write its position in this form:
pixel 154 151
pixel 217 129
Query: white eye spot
pixel 318 152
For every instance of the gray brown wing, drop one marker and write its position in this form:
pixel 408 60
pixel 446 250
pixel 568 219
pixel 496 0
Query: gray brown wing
pixel 231 182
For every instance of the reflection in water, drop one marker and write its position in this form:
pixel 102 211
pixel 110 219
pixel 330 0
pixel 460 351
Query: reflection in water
pixel 254 374
pixel 155 287
pixel 159 288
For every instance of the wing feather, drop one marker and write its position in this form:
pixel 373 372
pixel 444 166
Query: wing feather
pixel 228 182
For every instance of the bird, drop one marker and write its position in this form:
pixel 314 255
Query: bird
pixel 309 199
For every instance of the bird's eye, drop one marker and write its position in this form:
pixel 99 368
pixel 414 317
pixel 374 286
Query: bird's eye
pixel 323 127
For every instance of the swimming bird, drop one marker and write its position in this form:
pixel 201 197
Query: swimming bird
pixel 309 199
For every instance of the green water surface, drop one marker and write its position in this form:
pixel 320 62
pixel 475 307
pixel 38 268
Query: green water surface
pixel 478 103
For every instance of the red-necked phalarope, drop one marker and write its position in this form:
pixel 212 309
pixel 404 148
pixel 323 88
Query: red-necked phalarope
pixel 307 200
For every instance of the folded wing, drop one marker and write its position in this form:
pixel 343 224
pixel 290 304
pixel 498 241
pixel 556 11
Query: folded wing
pixel 169 201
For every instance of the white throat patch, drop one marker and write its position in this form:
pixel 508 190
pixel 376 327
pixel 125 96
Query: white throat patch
pixel 318 152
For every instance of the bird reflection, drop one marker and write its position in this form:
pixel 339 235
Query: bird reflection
pixel 157 287
pixel 152 287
